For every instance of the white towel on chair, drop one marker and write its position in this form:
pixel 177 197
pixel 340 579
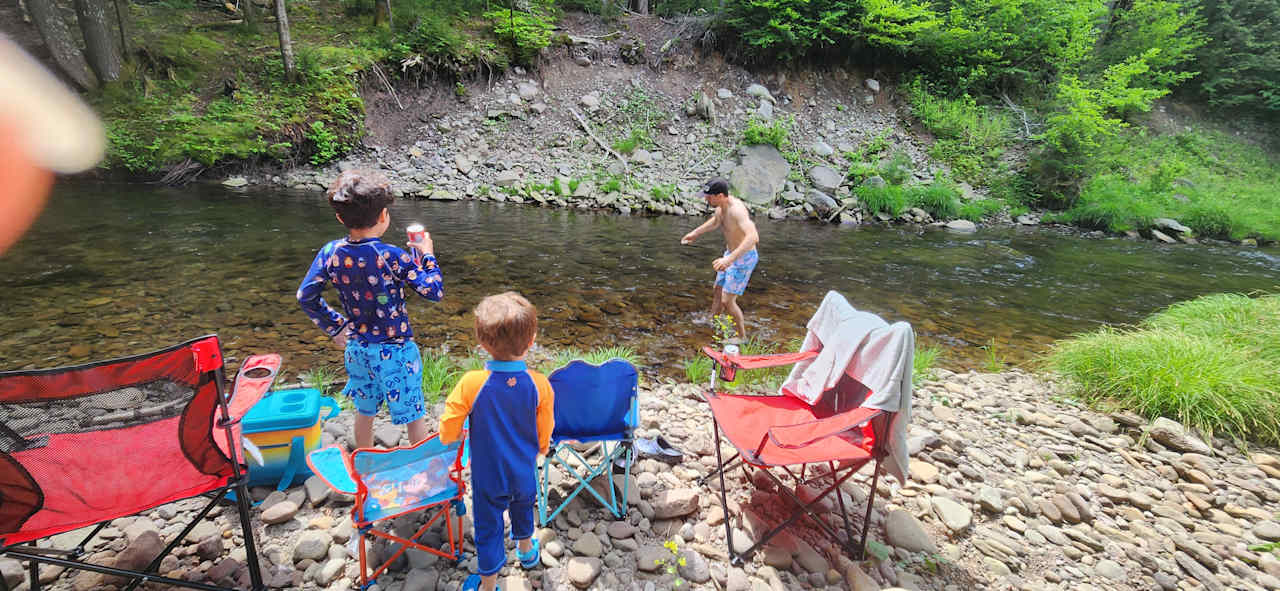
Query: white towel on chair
pixel 868 349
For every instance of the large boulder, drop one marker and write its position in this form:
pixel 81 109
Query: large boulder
pixel 760 174
pixel 821 202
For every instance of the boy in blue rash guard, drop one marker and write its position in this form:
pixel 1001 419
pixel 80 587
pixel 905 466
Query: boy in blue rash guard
pixel 510 407
pixel 383 363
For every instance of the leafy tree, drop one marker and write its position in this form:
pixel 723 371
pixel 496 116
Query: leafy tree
pixel 1174 29
pixel 1241 65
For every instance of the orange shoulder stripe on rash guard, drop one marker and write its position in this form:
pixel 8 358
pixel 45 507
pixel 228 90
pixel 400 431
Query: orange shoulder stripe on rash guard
pixel 458 405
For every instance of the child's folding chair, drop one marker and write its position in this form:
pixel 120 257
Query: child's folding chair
pixel 594 404
pixel 388 483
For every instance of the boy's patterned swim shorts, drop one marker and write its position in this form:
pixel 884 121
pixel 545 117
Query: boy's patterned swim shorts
pixel 390 372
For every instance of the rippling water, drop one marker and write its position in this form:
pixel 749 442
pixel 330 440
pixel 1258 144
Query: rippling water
pixel 117 269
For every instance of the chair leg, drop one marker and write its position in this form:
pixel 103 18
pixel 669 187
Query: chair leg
pixel 866 520
pixel 35 576
pixel 734 559
pixel 844 514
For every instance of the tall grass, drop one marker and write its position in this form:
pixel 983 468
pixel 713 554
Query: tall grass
pixel 698 369
pixel 1209 363
pixel 439 372
pixel 922 364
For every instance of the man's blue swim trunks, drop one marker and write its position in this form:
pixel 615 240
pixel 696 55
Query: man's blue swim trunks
pixel 734 279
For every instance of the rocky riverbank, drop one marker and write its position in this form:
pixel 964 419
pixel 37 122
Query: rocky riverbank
pixel 1012 487
pixel 599 125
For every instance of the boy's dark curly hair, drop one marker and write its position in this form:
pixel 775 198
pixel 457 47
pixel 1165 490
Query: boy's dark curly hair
pixel 359 197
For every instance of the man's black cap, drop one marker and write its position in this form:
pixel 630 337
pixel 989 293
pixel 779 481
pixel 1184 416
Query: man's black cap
pixel 715 186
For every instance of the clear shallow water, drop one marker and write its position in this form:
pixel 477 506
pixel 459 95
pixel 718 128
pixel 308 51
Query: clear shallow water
pixel 110 270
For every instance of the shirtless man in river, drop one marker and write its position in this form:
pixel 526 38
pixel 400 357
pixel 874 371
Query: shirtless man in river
pixel 733 270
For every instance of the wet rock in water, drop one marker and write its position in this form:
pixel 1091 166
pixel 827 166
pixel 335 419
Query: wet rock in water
pixel 822 203
pixel 1173 435
pixel 235 182
pixel 1162 237
pixel 1170 225
pixel 963 226
pixel 760 174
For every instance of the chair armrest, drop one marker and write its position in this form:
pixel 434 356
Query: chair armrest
pixel 256 375
pixel 757 361
pixel 806 433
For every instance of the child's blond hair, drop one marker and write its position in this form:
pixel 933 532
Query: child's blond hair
pixel 506 324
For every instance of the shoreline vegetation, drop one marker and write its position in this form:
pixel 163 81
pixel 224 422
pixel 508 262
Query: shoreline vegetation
pixel 1026 111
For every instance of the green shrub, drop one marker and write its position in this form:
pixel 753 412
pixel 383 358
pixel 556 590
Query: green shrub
pixel 1111 203
pixel 775 133
pixel 979 209
pixel 897 169
pixel 1208 363
pixel 890 200
pixel 611 184
pixel 940 198
pixel 1238 67
pixel 968 136
pixel 528 32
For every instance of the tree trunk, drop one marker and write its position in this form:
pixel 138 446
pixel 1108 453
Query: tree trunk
pixel 250 20
pixel 286 44
pixel 99 45
pixel 122 18
pixel 57 37
pixel 642 6
pixel 382 12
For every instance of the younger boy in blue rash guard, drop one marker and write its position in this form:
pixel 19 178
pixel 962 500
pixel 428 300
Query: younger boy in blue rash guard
pixel 510 407
pixel 383 363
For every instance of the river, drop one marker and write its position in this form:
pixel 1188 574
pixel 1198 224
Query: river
pixel 115 269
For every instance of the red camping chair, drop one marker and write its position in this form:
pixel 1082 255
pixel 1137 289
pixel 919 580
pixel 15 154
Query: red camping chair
pixel 87 444
pixel 784 431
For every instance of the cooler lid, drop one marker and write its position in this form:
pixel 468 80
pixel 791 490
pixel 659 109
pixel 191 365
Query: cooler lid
pixel 283 410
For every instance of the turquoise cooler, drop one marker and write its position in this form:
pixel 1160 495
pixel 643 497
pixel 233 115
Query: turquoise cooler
pixel 285 426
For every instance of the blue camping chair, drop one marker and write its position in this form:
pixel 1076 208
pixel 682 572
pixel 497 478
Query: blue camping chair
pixel 594 404
pixel 387 483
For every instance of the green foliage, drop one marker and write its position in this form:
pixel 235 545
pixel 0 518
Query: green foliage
pixel 326 143
pixel 725 330
pixel 897 169
pixel 672 562
pixel 993 358
pixel 439 372
pixel 1171 28
pixel 978 209
pixel 637 138
pixel 611 184
pixel 1207 363
pixel 600 355
pixel 890 200
pixel 941 199
pixel 968 136
pixel 664 193
pixel 698 369
pixel 922 364
pixel 1240 67
pixel 775 133
pixel 528 32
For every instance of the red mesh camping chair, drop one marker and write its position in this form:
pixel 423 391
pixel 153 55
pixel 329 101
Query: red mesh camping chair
pixel 785 432
pixel 84 445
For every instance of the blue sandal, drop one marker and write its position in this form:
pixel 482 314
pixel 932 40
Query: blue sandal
pixel 532 559
pixel 473 584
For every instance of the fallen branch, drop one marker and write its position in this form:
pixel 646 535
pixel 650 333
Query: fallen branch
pixel 626 169
pixel 1026 123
